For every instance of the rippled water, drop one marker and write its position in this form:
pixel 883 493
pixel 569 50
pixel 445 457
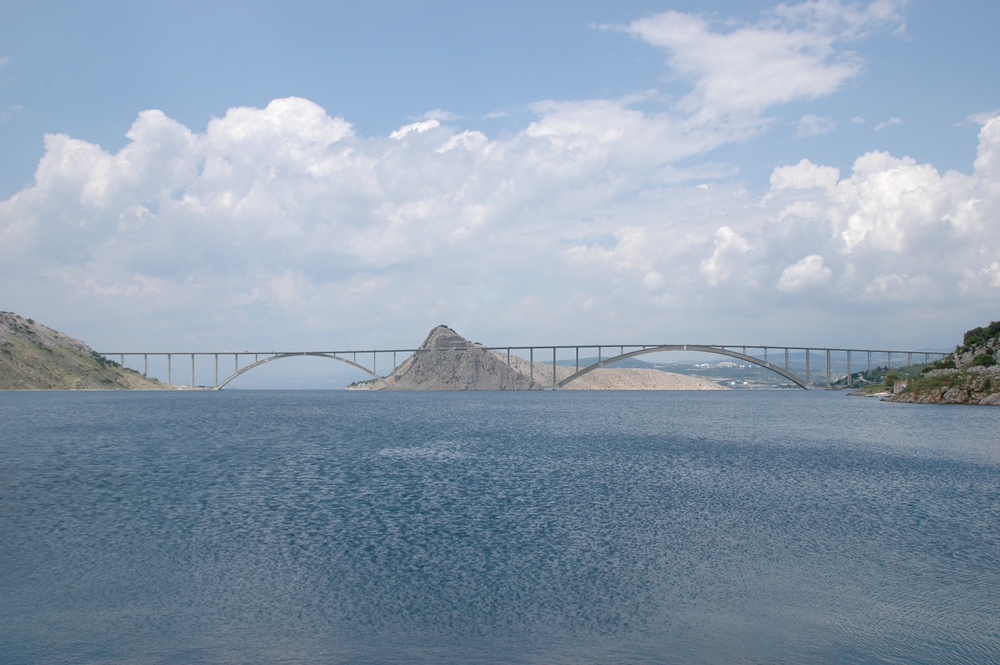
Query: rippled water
pixel 333 527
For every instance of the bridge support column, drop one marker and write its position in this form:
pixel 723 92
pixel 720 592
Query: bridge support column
pixel 786 359
pixel 829 377
pixel 808 376
pixel 192 371
pixel 531 361
pixel 578 359
pixel 216 370
pixel 170 381
pixel 850 377
pixel 909 359
pixel 869 365
pixel 554 379
pixel 145 365
pixel 888 359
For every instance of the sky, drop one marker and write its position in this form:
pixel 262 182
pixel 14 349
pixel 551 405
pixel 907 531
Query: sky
pixel 291 176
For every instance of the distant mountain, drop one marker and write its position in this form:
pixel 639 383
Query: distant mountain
pixel 35 357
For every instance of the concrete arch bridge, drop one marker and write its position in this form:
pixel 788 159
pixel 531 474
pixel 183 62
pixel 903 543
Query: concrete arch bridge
pixel 800 373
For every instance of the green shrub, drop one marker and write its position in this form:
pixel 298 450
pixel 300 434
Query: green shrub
pixel 891 377
pixel 980 336
pixel 948 362
pixel 985 359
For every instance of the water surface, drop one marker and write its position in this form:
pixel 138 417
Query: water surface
pixel 334 527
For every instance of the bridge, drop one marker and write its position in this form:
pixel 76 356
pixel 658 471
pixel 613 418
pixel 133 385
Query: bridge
pixel 759 355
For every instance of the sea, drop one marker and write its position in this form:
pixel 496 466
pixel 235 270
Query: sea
pixel 736 527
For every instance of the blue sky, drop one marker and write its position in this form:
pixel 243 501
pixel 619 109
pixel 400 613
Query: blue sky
pixel 612 171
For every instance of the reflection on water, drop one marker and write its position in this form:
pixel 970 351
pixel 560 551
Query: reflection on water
pixel 317 527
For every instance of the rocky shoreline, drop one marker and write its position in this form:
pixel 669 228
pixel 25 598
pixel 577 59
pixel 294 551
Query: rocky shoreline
pixel 970 375
pixel 974 385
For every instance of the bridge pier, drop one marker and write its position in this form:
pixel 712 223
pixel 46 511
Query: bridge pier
pixel 829 378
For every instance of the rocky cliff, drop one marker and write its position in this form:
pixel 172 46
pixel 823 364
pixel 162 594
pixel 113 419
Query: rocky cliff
pixel 35 357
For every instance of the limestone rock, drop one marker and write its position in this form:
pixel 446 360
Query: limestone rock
pixel 448 361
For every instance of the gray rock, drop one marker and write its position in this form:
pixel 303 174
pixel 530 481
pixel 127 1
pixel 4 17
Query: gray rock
pixel 448 361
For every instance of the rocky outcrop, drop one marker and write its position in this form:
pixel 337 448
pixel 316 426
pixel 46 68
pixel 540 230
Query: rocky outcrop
pixel 35 357
pixel 973 385
pixel 448 361
pixel 968 376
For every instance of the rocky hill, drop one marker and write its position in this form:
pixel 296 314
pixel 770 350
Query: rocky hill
pixel 970 375
pixel 448 361
pixel 35 357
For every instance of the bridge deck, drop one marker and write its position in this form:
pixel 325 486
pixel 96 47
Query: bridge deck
pixel 358 358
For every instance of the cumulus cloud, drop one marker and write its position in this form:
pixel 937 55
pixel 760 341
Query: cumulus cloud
pixel 805 274
pixel 283 224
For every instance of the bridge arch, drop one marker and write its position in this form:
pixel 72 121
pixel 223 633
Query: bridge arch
pixel 281 356
pixel 687 347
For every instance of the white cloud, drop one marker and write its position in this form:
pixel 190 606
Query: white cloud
pixel 418 127
pixel 809 273
pixel 858 120
pixel 284 212
pixel 440 114
pixel 888 123
pixel 729 257
pixel 814 125
pixel 790 54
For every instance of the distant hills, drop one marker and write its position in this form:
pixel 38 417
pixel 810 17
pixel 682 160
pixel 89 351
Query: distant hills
pixel 35 357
